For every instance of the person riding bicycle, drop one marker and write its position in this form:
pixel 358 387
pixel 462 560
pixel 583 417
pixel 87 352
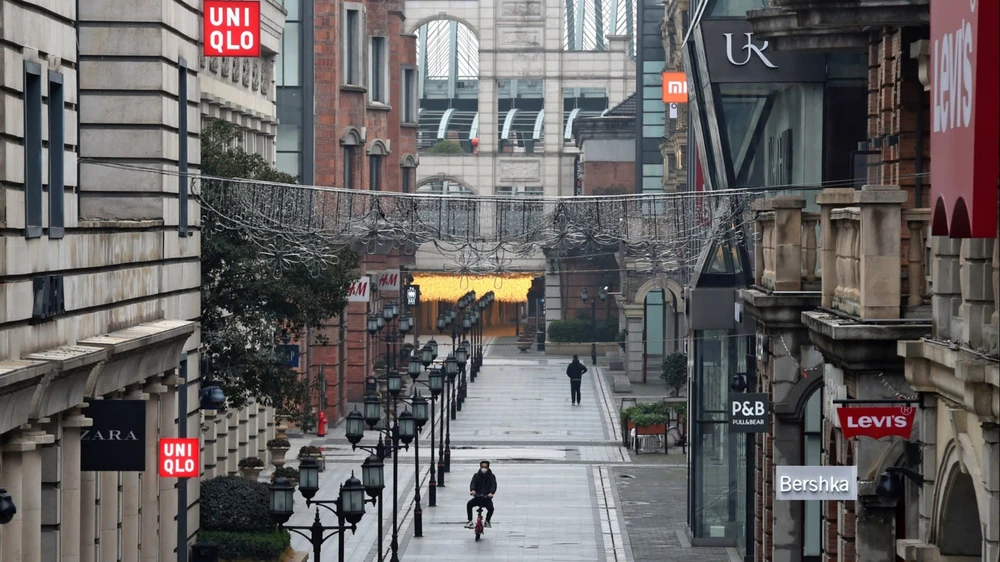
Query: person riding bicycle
pixel 482 488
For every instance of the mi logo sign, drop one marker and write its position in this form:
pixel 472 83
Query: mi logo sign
pixel 675 87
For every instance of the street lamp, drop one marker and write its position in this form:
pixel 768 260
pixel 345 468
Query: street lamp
pixel 372 476
pixel 585 297
pixel 373 411
pixel 420 417
pixel 349 507
pixel 355 426
pixel 413 366
pixel 434 348
pixel 426 355
pixel 462 356
pixel 7 508
pixel 372 324
pixel 441 323
pixel 450 369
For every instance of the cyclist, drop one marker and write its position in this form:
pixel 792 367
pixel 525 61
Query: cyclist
pixel 482 488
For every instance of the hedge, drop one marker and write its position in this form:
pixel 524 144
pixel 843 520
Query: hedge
pixel 264 546
pixel 652 414
pixel 233 504
pixel 579 330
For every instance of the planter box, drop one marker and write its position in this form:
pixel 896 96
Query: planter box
pixel 655 429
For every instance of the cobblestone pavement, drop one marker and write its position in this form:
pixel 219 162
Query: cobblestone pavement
pixel 567 489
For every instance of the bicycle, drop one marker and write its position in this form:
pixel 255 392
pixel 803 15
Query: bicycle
pixel 479 528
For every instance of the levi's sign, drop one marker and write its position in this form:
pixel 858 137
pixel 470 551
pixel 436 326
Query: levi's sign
pixel 876 422
pixel 816 483
pixel 749 413
pixel 232 28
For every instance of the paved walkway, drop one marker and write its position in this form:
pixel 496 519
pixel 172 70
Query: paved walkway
pixel 567 490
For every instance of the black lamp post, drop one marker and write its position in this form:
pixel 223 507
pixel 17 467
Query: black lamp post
pixel 420 415
pixel 450 369
pixel 7 508
pixel 349 507
pixel 462 356
pixel 603 294
pixel 435 383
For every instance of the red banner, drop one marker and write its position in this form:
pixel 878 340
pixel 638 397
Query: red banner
pixel 876 421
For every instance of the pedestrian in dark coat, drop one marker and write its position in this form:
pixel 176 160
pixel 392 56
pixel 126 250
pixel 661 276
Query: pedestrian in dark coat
pixel 575 373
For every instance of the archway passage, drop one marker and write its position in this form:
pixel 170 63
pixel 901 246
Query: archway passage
pixel 960 532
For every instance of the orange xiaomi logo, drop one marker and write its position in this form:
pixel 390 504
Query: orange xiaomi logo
pixel 675 87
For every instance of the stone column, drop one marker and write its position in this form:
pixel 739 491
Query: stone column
pixel 243 435
pixel 11 534
pixel 788 242
pixel 71 506
pixel 168 486
pixel 991 485
pixel 976 272
pixel 88 516
pixel 928 465
pixel 31 493
pixel 233 455
pixel 946 285
pixel 828 199
pixel 875 537
pixel 149 543
pixel 108 518
pixel 209 454
pixel 252 445
pixel 130 493
pixel 881 227
pixel 221 444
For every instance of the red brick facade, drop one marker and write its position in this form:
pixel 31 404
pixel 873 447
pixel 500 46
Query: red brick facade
pixel 346 357
pixel 602 175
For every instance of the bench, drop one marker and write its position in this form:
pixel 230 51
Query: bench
pixel 620 383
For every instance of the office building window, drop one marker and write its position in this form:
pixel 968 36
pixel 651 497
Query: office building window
pixel 409 96
pixel 349 164
pixel 32 149
pixel 378 78
pixel 57 156
pixel 353 47
pixel 407 177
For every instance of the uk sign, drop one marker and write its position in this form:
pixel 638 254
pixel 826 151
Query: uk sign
pixel 358 291
pixel 179 458
pixel 232 28
pixel 876 421
pixel 749 413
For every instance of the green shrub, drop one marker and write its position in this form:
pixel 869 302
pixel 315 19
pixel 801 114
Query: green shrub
pixel 265 546
pixel 652 413
pixel 277 443
pixel 446 147
pixel 580 330
pixel 285 472
pixel 231 503
pixel 251 462
pixel 675 372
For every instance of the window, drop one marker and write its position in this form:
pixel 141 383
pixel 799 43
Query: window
pixel 349 167
pixel 57 155
pixel 378 79
pixel 352 47
pixel 375 172
pixel 409 110
pixel 32 149
pixel 407 177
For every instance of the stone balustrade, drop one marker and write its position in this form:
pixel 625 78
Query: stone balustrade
pixel 853 246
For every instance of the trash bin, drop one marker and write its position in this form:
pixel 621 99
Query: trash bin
pixel 205 551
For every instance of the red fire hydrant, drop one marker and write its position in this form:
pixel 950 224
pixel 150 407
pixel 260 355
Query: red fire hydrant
pixel 321 425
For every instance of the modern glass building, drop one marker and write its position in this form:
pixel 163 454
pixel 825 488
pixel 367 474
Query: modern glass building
pixel 294 79
pixel 650 115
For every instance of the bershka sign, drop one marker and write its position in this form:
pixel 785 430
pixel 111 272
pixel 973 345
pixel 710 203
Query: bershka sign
pixel 388 280
pixel 358 291
pixel 965 86
pixel 117 439
pixel 749 413
pixel 179 458
pixel 876 421
pixel 232 28
pixel 793 483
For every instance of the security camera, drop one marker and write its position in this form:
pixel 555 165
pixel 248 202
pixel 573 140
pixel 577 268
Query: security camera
pixel 212 397
pixel 889 488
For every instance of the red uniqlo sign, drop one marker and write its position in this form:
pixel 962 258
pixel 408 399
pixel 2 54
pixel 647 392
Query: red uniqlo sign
pixel 876 422
pixel 232 28
pixel 965 86
pixel 179 458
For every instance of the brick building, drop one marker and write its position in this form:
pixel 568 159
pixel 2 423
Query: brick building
pixel 347 104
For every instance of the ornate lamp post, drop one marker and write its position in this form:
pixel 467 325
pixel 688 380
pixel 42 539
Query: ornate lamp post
pixel 349 507
pixel 450 369
pixel 462 357
pixel 603 294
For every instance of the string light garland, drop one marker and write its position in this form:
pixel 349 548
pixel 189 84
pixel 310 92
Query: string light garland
pixel 449 288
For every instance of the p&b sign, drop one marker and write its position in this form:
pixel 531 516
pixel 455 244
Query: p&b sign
pixel 749 413
pixel 232 28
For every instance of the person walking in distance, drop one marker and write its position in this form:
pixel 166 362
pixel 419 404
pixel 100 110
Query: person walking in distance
pixel 575 373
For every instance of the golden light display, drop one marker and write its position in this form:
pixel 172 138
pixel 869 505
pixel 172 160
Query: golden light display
pixel 439 287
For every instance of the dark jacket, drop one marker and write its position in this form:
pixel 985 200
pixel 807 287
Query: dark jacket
pixel 483 483
pixel 576 370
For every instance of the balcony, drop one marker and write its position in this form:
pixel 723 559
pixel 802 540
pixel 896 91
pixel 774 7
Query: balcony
pixel 832 25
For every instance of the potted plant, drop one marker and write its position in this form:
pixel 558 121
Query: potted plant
pixel 278 448
pixel 622 338
pixel 310 451
pixel 281 426
pixel 288 473
pixel 250 468
pixel 675 372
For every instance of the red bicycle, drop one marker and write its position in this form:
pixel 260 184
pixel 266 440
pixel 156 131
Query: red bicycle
pixel 479 528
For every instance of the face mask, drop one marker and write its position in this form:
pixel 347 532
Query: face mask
pixel 483 470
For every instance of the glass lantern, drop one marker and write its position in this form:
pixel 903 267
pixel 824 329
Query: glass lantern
pixel 373 476
pixel 420 413
pixel 426 355
pixel 355 427
pixel 352 500
pixel 413 367
pixel 451 367
pixel 373 410
pixel 436 382
pixel 282 500
pixel 308 477
pixel 407 427
pixel 394 383
pixel 372 324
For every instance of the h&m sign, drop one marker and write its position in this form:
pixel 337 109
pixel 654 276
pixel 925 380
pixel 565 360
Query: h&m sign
pixel 359 290
pixel 117 439
pixel 388 280
pixel 749 413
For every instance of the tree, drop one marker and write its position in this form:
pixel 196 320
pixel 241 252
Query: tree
pixel 675 372
pixel 247 304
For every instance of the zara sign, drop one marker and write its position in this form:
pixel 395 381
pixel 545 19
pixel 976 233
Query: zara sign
pixel 117 440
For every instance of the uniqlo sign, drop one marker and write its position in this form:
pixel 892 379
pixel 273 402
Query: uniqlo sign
pixel 179 458
pixel 965 109
pixel 876 422
pixel 232 28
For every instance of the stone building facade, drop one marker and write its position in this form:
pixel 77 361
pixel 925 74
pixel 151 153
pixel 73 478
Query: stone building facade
pixel 100 266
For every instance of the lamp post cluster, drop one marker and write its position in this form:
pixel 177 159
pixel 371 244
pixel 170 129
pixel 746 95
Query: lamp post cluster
pixel 395 430
pixel 585 297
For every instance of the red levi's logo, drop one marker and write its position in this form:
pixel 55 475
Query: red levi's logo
pixel 876 422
